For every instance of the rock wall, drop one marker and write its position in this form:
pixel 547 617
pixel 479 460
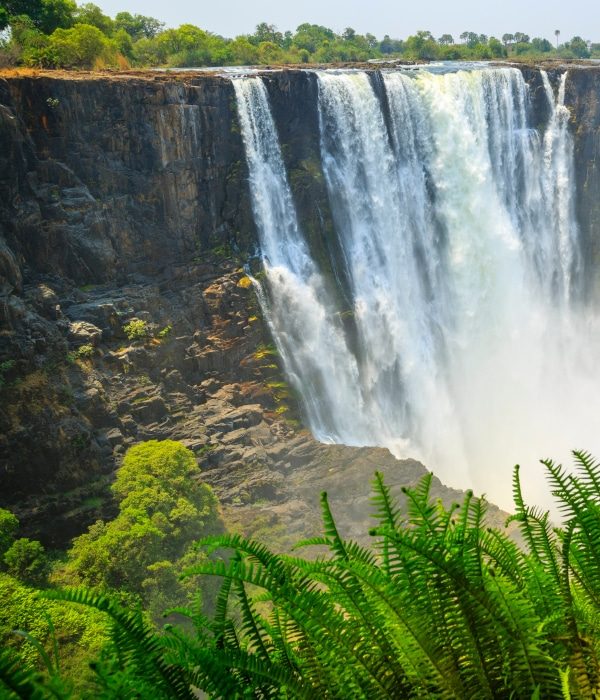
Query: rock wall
pixel 125 198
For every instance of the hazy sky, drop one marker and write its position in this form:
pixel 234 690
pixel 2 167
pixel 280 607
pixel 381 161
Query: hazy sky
pixel 232 17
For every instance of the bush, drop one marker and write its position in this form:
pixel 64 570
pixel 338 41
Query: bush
pixel 80 634
pixel 26 560
pixel 9 524
pixel 83 46
pixel 136 329
pixel 85 351
pixel 165 332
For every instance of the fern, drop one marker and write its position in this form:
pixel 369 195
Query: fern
pixel 442 606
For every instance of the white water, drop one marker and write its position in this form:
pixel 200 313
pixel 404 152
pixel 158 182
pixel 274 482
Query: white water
pixel 456 220
pixel 302 319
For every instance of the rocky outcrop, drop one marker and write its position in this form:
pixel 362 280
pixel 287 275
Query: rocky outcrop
pixel 125 198
pixel 583 99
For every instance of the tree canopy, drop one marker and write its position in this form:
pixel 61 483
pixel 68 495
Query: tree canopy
pixel 38 38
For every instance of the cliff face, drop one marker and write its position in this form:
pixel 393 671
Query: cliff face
pixel 583 99
pixel 126 198
pixel 125 176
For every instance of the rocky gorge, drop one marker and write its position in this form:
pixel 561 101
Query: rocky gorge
pixel 124 197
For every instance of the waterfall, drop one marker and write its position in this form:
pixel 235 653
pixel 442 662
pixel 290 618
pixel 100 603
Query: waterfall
pixel 309 338
pixel 473 348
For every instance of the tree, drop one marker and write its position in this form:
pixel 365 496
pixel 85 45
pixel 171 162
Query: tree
pixel 508 39
pixel 471 39
pixel 496 48
pixel 541 45
pixel 388 45
pixel 138 26
pixel 81 46
pixel 269 52
pixel 312 36
pixel 446 39
pixel 371 40
pixel 91 14
pixel 521 38
pixel 244 52
pixel 163 508
pixel 557 34
pixel 421 45
pixel 579 47
pixel 45 15
pixel 266 32
pixel 349 34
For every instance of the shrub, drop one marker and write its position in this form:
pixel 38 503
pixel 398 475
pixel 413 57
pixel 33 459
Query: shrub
pixel 165 332
pixel 80 634
pixel 26 560
pixel 136 329
pixel 81 46
pixel 9 524
pixel 85 351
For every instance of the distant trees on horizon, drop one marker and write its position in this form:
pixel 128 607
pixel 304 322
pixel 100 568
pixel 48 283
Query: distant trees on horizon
pixel 62 34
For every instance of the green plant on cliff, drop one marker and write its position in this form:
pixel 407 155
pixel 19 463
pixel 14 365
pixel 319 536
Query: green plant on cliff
pixel 440 606
pixel 165 332
pixel 163 508
pixel 136 329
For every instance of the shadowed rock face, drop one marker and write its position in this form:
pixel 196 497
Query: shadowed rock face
pixel 126 198
pixel 583 99
pixel 128 176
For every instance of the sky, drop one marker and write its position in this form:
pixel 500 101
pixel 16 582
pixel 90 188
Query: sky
pixel 232 17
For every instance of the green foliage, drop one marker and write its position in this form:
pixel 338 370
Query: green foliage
pixel 85 351
pixel 163 508
pixel 441 607
pixel 143 41
pixel 45 15
pixel 165 332
pixel 139 663
pixel 9 524
pixel 136 329
pixel 72 638
pixel 138 26
pixel 444 607
pixel 26 560
pixel 81 46
pixel 92 15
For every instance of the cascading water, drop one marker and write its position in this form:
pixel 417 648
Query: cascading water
pixel 473 349
pixel 302 319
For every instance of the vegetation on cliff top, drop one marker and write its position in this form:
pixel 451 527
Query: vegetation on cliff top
pixel 440 606
pixel 59 33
